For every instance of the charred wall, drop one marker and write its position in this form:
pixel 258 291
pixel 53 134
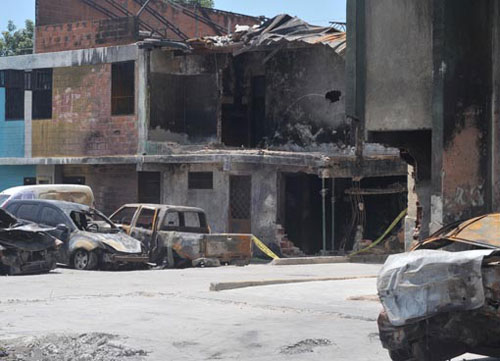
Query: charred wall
pixel 299 82
pixel 462 118
pixel 184 97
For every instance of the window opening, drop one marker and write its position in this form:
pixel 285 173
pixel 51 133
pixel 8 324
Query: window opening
pixel 124 216
pixel 41 83
pixel 123 88
pixel 200 180
pixel 14 94
pixel 145 219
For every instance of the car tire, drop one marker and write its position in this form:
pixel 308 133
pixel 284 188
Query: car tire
pixel 84 260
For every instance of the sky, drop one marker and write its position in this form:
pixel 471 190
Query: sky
pixel 318 12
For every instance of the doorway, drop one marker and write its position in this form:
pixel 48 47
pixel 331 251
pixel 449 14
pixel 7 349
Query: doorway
pixel 149 187
pixel 240 204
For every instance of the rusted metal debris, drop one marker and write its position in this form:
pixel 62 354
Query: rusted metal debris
pixel 439 305
pixel 25 248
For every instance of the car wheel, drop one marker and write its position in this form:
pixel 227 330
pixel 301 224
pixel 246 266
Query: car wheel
pixel 84 260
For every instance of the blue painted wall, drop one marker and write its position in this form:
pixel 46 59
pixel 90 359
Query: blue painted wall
pixel 13 175
pixel 12 145
pixel 11 133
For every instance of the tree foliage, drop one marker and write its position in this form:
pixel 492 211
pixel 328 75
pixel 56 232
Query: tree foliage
pixel 203 3
pixel 15 41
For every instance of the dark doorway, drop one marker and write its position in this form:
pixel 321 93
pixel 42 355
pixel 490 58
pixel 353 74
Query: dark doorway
pixel 150 187
pixel 303 211
pixel 240 204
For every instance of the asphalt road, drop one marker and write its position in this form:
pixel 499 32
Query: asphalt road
pixel 172 315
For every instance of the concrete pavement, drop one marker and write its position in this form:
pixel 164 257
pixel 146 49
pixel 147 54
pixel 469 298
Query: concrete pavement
pixel 172 315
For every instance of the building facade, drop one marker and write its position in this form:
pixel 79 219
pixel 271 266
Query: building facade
pixel 423 77
pixel 249 126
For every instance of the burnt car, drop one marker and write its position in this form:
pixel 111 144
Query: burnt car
pixel 25 248
pixel 442 299
pixel 90 239
pixel 176 236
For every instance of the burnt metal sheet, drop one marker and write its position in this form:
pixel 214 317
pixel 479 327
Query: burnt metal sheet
pixel 481 231
pixel 283 29
pixel 424 283
pixel 228 247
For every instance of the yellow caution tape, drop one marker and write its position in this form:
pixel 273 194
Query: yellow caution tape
pixel 264 248
pixel 382 237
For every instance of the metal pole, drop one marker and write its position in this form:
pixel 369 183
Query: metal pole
pixel 143 8
pixel 333 214
pixel 324 191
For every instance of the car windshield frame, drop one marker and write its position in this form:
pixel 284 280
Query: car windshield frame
pixel 91 212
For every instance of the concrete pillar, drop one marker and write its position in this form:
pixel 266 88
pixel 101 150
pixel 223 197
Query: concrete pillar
pixel 28 145
pixel 143 69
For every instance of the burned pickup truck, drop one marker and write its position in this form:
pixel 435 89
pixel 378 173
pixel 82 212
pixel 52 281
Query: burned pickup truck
pixel 180 236
pixel 25 248
pixel 440 304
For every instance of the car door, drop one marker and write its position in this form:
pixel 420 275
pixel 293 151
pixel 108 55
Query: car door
pixel 124 217
pixel 144 226
pixel 50 216
pixel 25 211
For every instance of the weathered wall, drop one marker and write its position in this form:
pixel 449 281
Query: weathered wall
pixel 13 176
pixel 216 201
pixel 11 133
pixel 50 12
pixel 184 98
pixel 82 124
pixel 398 45
pixel 296 105
pixel 462 121
pixel 86 34
pixel 103 181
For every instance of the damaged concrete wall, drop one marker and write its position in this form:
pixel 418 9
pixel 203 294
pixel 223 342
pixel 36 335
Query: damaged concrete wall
pixel 463 120
pixel 102 180
pixel 398 41
pixel 82 124
pixel 184 97
pixel 216 201
pixel 297 105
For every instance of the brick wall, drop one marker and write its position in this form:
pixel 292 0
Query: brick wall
pixel 82 124
pixel 56 12
pixel 102 180
pixel 86 34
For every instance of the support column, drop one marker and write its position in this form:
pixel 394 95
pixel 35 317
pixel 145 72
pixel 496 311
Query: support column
pixel 28 117
pixel 143 102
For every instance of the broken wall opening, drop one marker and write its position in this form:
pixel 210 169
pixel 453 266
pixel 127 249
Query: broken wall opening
pixel 243 115
pixel 302 211
pixel 183 107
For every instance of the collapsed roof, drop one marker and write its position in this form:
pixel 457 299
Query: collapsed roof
pixel 282 30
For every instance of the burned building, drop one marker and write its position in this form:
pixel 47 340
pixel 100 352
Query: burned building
pixel 423 77
pixel 250 126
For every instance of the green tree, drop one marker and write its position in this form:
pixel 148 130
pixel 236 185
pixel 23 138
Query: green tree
pixel 15 41
pixel 203 3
